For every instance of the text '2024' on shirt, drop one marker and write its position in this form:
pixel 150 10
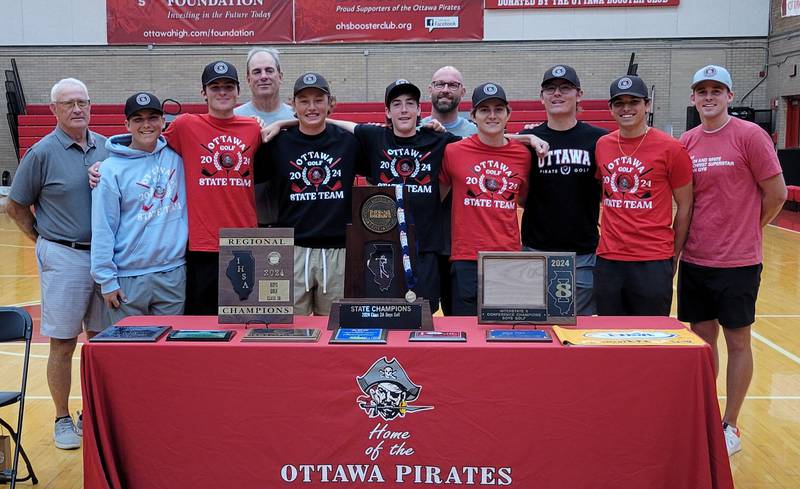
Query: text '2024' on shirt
pixel 218 161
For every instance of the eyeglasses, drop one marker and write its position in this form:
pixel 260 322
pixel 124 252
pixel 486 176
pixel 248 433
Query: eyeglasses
pixel 440 85
pixel 68 104
pixel 563 89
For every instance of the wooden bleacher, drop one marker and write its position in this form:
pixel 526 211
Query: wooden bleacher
pixel 108 119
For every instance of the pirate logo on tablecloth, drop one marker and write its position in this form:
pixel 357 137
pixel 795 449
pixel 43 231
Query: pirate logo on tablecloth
pixel 388 391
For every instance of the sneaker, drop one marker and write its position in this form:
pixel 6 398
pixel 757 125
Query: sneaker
pixel 733 438
pixel 65 436
pixel 79 423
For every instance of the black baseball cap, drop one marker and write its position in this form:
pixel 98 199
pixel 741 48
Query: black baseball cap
pixel 311 80
pixel 488 91
pixel 629 85
pixel 561 72
pixel 401 86
pixel 141 101
pixel 219 70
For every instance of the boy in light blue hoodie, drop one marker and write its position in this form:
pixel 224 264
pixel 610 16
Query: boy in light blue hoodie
pixel 139 218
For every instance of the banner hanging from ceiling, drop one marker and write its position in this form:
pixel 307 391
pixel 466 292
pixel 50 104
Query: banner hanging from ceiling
pixel 199 21
pixel 380 20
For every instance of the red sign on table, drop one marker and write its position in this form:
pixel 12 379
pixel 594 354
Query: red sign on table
pixel 381 20
pixel 540 4
pixel 199 21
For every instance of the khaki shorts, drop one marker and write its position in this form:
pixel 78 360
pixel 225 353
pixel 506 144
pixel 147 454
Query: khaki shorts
pixel 71 301
pixel 318 279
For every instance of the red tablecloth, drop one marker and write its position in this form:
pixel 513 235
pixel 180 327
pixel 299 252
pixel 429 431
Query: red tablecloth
pixel 533 416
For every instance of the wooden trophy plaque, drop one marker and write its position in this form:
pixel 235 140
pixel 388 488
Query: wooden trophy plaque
pixel 375 290
pixel 256 275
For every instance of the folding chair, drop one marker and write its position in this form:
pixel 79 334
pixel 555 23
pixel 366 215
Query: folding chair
pixel 16 324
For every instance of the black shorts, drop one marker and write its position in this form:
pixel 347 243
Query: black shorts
pixel 726 294
pixel 633 288
pixel 428 278
pixel 202 282
pixel 464 276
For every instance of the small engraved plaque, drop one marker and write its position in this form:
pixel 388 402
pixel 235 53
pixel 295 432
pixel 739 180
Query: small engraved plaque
pixel 282 335
pixel 379 214
pixel 382 313
pixel 529 335
pixel 273 290
pixel 256 273
pixel 360 335
pixel 438 336
pixel 200 335
pixel 131 334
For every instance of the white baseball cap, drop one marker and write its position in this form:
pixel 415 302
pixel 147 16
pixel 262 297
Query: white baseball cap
pixel 713 73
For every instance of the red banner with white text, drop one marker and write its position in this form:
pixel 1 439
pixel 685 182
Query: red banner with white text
pixel 199 21
pixel 790 8
pixel 541 4
pixel 382 20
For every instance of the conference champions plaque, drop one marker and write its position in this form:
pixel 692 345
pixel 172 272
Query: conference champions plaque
pixel 526 288
pixel 256 275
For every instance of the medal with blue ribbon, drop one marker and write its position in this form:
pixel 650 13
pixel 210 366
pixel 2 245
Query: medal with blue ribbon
pixel 402 224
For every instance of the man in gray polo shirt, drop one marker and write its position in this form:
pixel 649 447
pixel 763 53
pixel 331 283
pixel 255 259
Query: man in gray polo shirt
pixel 52 178
pixel 264 76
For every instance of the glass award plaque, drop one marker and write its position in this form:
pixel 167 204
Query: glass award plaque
pixel 200 335
pixel 438 336
pixel 526 288
pixel 519 335
pixel 130 334
pixel 282 335
pixel 359 335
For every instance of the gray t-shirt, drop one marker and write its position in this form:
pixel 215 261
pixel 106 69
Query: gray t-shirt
pixel 266 201
pixel 283 113
pixel 461 127
pixel 52 177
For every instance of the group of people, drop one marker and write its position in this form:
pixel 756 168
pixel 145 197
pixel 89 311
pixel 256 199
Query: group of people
pixel 150 243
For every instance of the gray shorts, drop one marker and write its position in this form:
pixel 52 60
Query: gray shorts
pixel 318 279
pixel 71 301
pixel 151 294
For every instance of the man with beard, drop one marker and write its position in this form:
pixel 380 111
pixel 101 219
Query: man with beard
pixel 446 90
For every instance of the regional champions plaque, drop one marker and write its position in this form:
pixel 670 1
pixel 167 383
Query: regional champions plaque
pixel 256 275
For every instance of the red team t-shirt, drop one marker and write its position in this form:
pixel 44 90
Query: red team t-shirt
pixel 728 164
pixel 218 160
pixel 636 220
pixel 486 182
